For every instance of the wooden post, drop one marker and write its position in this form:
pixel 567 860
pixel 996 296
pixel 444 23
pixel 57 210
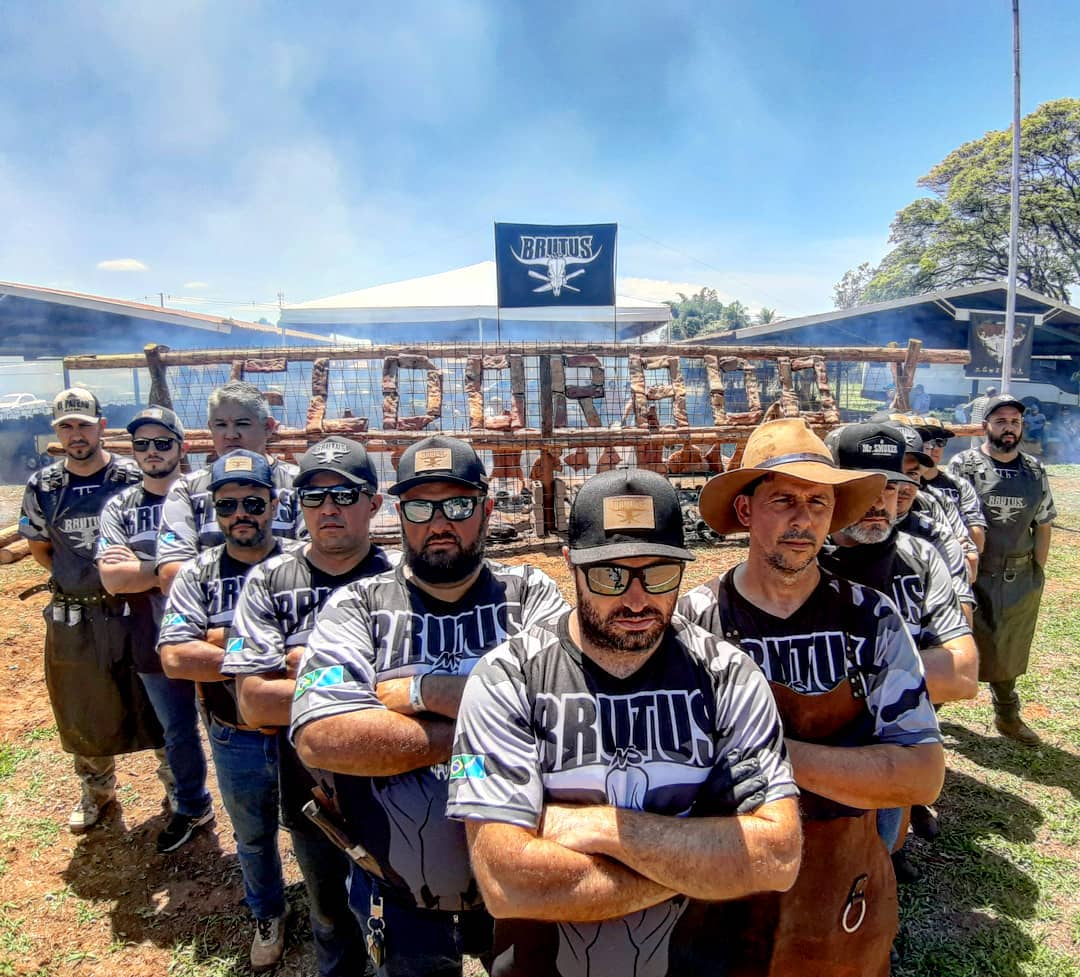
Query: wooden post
pixel 159 383
pixel 547 426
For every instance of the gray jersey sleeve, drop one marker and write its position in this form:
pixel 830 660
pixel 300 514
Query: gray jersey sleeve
pixel 542 600
pixel 336 674
pixel 111 531
pixel 186 618
pixel 32 519
pixel 256 643
pixel 178 535
pixel 970 508
pixel 1046 512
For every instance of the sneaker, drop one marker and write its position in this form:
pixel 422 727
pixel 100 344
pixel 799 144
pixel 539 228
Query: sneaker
pixel 180 828
pixel 269 942
pixel 905 869
pixel 86 813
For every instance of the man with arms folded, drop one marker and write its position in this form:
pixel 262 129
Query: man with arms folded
pixel 239 419
pixel 377 692
pixel 584 743
pixel 198 615
pixel 860 730
pixel 338 493
pixel 125 557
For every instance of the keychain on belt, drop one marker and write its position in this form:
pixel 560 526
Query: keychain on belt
pixel 376 927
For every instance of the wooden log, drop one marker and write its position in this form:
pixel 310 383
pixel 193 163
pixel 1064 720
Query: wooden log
pixel 9 534
pixel 159 383
pixel 16 551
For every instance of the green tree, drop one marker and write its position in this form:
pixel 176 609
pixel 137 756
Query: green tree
pixel 765 316
pixel 848 291
pixel 960 234
pixel 696 314
pixel 736 315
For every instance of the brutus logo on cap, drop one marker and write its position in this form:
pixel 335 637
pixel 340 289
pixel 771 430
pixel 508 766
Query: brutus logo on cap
pixel 239 464
pixel 880 447
pixel 434 459
pixel 330 451
pixel 629 512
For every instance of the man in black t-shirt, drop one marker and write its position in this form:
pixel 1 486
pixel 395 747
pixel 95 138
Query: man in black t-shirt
pixel 337 489
pixel 377 692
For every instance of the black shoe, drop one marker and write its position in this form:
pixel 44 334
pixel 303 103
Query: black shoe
pixel 180 828
pixel 924 822
pixel 906 870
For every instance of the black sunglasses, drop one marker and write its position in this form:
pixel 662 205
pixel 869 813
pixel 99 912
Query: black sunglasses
pixel 937 442
pixel 253 505
pixel 457 509
pixel 610 579
pixel 162 444
pixel 342 495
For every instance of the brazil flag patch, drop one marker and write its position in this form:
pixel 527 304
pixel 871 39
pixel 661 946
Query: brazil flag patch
pixel 320 678
pixel 467 766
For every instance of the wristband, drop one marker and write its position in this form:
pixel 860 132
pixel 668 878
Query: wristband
pixel 416 696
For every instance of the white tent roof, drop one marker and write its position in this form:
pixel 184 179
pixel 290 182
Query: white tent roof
pixel 464 293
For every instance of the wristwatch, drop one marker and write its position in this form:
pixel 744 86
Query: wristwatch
pixel 416 696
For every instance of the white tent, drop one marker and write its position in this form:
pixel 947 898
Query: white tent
pixel 460 305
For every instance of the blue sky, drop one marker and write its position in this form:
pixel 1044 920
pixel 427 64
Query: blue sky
pixel 240 149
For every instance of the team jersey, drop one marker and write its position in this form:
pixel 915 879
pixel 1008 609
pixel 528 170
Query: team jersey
pixel 922 526
pixel 131 519
pixel 962 496
pixel 276 613
pixel 947 512
pixel 541 722
pixel 913 574
pixel 189 524
pixel 203 596
pixel 64 509
pixel 384 628
pixel 840 624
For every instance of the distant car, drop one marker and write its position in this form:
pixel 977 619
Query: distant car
pixel 21 405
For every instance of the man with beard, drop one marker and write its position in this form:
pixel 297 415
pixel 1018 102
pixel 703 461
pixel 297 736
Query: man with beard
pixel 584 741
pixel 192 642
pixel 338 493
pixel 100 706
pixel 238 417
pixel 1019 509
pixel 377 692
pixel 125 555
pixel 859 727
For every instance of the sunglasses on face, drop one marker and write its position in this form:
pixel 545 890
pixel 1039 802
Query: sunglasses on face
pixel 253 505
pixel 457 509
pixel 162 444
pixel 937 442
pixel 610 579
pixel 341 495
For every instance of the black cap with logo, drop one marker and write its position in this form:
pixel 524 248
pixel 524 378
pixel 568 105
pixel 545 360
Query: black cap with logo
pixel 913 444
pixel 623 513
pixel 440 459
pixel 1002 400
pixel 161 416
pixel 340 456
pixel 873 448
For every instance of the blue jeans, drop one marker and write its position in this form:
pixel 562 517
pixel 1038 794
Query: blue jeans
pixel 888 825
pixel 421 942
pixel 246 765
pixel 174 702
pixel 339 941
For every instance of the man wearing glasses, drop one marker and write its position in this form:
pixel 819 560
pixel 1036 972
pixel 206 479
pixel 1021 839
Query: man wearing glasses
pixel 584 742
pixel 192 643
pixel 238 417
pixel 127 544
pixel 338 493
pixel 377 693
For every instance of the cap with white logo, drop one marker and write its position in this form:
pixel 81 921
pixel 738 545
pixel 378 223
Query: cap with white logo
pixel 76 404
pixel 161 416
pixel 876 448
pixel 340 456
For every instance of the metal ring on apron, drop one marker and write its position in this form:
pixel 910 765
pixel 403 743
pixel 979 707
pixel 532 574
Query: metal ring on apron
pixel 856 897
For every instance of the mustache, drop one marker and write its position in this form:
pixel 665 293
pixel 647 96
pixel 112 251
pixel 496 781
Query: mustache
pixel 627 612
pixel 798 535
pixel 443 538
pixel 245 522
pixel 877 514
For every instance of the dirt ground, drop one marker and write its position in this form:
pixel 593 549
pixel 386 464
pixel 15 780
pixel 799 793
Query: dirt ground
pixel 106 903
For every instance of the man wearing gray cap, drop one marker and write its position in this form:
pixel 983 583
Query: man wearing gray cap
pixel 100 706
pixel 583 742
pixel 1019 509
pixel 377 692
pixel 126 550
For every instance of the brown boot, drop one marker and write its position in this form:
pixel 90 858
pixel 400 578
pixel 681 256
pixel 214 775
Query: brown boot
pixel 1016 729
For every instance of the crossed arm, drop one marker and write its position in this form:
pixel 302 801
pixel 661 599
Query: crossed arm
pixel 595 862
pixel 122 572
pixel 198 660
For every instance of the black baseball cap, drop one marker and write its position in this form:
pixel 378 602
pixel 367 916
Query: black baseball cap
pixel 913 444
pixel 440 459
pixel 872 447
pixel 157 415
pixel 241 466
pixel 623 513
pixel 340 456
pixel 1002 400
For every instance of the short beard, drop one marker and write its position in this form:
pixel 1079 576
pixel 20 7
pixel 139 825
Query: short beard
pixel 869 534
pixel 600 634
pixel 447 566
pixel 998 444
pixel 254 542
pixel 163 474
pixel 82 454
pixel 775 558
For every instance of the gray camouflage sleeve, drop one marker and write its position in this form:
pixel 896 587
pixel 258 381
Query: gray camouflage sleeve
pixel 178 535
pixel 185 617
pixel 32 520
pixel 256 644
pixel 111 530
pixel 1046 512
pixel 542 599
pixel 942 617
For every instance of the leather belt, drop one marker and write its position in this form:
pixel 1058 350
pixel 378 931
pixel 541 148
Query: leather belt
pixel 265 730
pixel 1009 562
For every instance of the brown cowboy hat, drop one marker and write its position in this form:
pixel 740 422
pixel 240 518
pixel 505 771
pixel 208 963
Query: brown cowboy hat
pixel 788 447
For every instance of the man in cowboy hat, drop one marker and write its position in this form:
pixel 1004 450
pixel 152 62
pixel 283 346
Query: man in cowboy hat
pixel 860 728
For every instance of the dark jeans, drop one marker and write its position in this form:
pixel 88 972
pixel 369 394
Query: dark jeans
pixel 174 702
pixel 421 942
pixel 339 941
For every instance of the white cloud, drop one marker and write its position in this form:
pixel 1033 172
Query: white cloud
pixel 121 264
pixel 196 286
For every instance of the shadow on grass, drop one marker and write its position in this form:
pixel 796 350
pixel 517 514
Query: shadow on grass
pixel 1045 764
pixel 961 917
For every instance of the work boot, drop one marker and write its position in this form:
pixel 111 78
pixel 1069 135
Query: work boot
pixel 86 813
pixel 904 868
pixel 269 943
pixel 924 822
pixel 1008 723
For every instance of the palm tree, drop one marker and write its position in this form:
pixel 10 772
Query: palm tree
pixel 765 316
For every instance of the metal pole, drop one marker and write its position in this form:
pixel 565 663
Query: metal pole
pixel 1014 211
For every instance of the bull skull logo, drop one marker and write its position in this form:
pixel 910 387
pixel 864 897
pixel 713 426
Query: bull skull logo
pixel 992 337
pixel 555 277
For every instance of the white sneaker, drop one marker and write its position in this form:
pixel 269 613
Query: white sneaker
pixel 269 942
pixel 85 814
